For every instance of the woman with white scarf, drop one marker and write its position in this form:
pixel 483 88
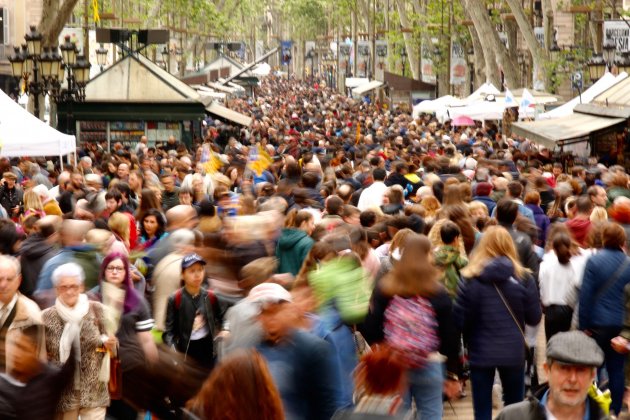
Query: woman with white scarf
pixel 72 313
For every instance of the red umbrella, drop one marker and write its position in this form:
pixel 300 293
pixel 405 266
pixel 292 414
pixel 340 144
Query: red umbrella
pixel 462 121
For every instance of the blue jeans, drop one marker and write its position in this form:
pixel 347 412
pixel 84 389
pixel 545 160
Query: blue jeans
pixel 425 386
pixel 481 381
pixel 614 364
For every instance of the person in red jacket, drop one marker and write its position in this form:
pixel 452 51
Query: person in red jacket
pixel 580 225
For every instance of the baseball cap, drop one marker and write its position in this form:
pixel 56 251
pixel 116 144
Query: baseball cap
pixel 574 348
pixel 191 259
pixel 269 293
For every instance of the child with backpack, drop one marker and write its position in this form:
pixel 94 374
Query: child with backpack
pixel 193 314
pixel 448 258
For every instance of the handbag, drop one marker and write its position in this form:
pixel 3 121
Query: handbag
pixel 115 377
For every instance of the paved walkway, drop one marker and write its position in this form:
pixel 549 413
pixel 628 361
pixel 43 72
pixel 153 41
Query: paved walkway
pixel 462 409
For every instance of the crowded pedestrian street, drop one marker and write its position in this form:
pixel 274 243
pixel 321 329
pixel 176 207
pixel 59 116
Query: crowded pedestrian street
pixel 313 210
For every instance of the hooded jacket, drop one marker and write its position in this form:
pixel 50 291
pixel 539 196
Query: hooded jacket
pixel 451 261
pixel 34 253
pixel 293 247
pixel 542 222
pixel 579 228
pixel 492 335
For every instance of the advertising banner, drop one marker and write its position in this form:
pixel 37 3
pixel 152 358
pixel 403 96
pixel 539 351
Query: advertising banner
pixel 285 53
pixel 458 64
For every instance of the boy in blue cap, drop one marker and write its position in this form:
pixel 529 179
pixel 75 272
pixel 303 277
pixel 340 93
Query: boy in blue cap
pixel 193 314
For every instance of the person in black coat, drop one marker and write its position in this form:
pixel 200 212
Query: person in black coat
pixel 11 195
pixel 495 300
pixel 36 249
pixel 192 314
pixel 31 389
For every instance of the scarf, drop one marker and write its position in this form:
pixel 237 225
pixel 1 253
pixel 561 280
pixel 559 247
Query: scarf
pixel 70 336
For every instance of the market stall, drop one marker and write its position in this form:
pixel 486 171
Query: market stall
pixel 23 134
pixel 131 99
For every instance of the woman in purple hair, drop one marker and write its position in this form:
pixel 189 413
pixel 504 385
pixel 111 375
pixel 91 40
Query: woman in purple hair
pixel 137 350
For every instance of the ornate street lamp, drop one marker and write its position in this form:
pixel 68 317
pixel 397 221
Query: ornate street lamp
pixel 403 56
pixel 43 70
pixel 470 57
pixel 33 41
pixel 101 56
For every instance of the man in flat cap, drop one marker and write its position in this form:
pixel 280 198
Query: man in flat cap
pixel 572 362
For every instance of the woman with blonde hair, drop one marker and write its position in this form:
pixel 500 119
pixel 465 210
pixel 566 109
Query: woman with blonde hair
pixel 32 204
pixel 118 223
pixel 496 299
pixel 598 214
pixel 431 207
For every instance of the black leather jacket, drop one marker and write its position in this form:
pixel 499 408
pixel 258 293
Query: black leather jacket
pixel 180 315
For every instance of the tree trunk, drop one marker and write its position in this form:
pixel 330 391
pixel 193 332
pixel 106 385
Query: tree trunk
pixel 54 19
pixel 539 55
pixel 480 74
pixel 492 46
pixel 548 23
pixel 596 27
pixel 412 56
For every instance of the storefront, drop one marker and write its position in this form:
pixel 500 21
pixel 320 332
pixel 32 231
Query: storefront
pixel 131 99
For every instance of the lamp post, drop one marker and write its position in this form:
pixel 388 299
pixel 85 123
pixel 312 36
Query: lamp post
pixel 43 73
pixel 179 53
pixel 403 57
pixel 310 56
pixel 470 55
pixel 101 56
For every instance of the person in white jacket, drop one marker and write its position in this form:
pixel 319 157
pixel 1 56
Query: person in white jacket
pixel 559 278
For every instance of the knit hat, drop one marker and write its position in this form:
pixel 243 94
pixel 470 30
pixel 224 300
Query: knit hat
pixel 484 189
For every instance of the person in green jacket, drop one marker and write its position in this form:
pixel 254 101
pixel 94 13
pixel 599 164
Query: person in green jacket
pixel 448 258
pixel 295 241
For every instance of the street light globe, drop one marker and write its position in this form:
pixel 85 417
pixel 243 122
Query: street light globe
pixel 17 63
pixel 68 51
pixel 101 55
pixel 81 71
pixel 34 41
pixel 46 63
pixel 56 62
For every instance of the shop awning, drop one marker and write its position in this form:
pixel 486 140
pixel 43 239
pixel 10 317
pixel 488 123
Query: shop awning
pixel 228 114
pixel 363 89
pixel 551 132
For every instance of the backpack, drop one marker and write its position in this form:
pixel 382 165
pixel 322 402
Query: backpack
pixel 178 298
pixel 411 329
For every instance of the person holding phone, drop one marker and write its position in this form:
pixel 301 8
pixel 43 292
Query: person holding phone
pixel 11 194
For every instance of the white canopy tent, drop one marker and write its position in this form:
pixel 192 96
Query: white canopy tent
pixel 607 81
pixel 366 87
pixel 262 69
pixel 483 91
pixel 433 105
pixel 23 134
pixel 352 82
pixel 481 111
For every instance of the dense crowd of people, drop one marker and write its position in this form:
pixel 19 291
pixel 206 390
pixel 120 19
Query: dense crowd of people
pixel 335 259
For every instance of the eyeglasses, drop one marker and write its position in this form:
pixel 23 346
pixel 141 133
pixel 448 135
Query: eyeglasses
pixel 113 269
pixel 72 287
